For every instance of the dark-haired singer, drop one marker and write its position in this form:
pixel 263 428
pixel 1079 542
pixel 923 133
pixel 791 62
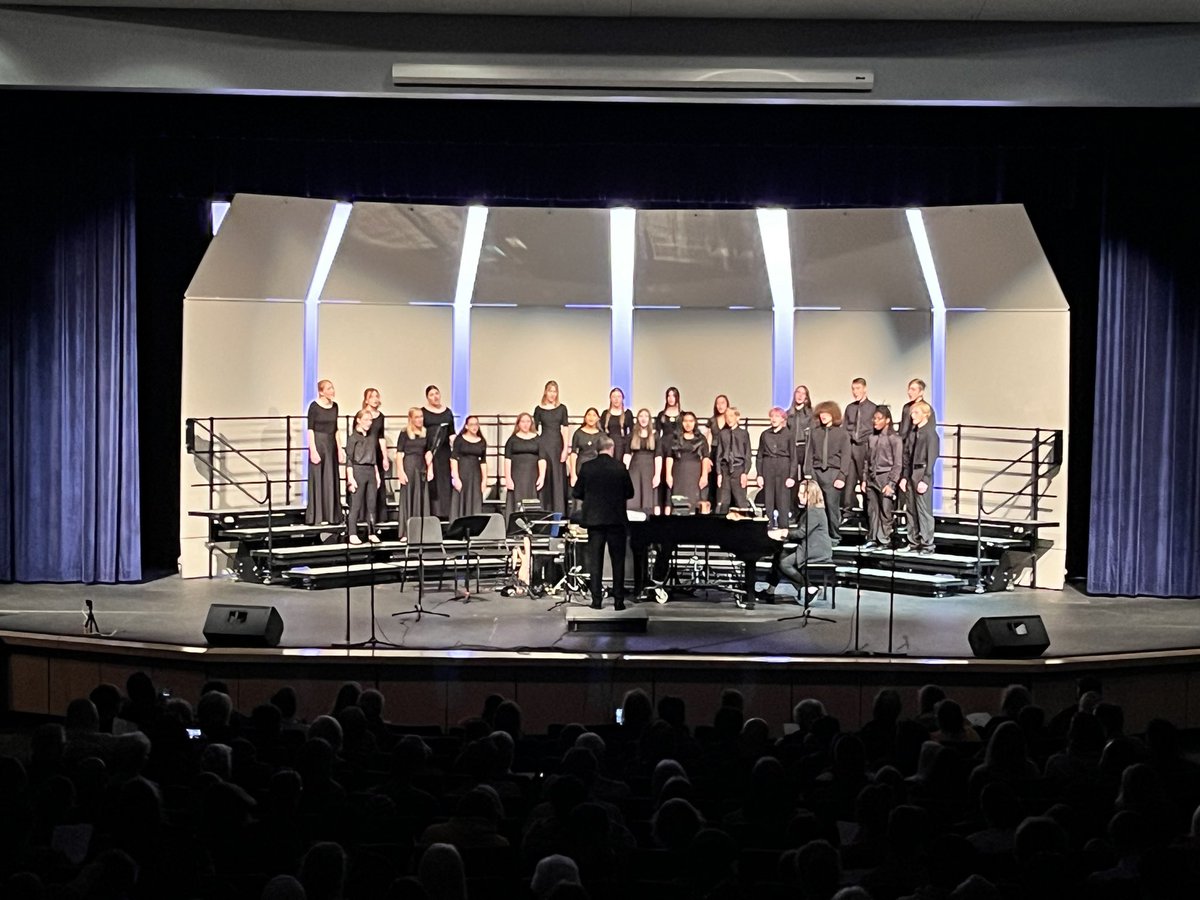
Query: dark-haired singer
pixel 604 486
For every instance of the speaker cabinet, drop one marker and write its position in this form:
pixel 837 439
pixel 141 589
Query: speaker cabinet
pixel 242 626
pixel 1008 637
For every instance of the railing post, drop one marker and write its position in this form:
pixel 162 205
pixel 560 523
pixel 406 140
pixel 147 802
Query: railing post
pixel 212 442
pixel 957 468
pixel 287 460
pixel 270 529
pixel 1035 492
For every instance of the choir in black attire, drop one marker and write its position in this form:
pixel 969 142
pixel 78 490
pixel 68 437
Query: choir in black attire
pixel 603 486
pixel 688 453
pixel 440 488
pixel 618 428
pixel 362 454
pixel 921 451
pixel 524 454
pixel 881 483
pixel 377 434
pixel 549 424
pixel 413 498
pixel 666 429
pixel 829 462
pixel 470 456
pixel 324 480
pixel 733 461
pixel 643 463
pixel 776 464
pixel 857 422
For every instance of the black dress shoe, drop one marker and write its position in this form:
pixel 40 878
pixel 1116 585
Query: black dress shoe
pixel 596 604
pixel 619 606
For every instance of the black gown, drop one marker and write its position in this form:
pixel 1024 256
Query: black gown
pixel 440 488
pixel 413 498
pixel 549 425
pixel 642 463
pixel 470 456
pixel 689 456
pixel 618 428
pixel 376 433
pixel 324 478
pixel 524 454
pixel 666 429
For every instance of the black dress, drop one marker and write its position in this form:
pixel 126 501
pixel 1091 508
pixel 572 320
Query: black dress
pixel 470 456
pixel 666 429
pixel 643 460
pixel 413 498
pixel 716 424
pixel 585 447
pixel 324 478
pixel 618 428
pixel 376 433
pixel 524 454
pixel 549 424
pixel 440 488
pixel 689 455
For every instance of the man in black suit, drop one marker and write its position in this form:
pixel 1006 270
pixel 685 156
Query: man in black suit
pixel 604 485
pixel 858 420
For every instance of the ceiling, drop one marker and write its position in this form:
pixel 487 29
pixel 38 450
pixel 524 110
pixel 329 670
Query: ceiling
pixel 1148 11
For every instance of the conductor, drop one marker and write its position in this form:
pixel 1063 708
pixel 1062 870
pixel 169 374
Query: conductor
pixel 604 485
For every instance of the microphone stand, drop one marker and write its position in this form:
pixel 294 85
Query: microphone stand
pixel 420 610
pixel 373 641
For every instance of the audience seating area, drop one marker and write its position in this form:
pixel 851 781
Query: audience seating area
pixel 137 795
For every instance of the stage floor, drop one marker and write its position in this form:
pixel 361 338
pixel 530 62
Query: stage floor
pixel 171 611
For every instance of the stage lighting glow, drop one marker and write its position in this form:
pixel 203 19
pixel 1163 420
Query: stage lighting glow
pixel 312 299
pixel 777 253
pixel 468 268
pixel 937 340
pixel 622 247
pixel 218 209
pixel 739 308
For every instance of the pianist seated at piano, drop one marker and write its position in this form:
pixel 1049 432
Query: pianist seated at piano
pixel 810 535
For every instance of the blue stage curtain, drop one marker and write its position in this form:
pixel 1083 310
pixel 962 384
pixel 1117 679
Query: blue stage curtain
pixel 1145 505
pixel 68 357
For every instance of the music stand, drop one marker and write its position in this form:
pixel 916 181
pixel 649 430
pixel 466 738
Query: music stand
pixel 464 528
pixel 420 610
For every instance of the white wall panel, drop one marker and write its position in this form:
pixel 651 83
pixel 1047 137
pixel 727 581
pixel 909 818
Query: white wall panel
pixel 1010 368
pixel 239 359
pixel 398 349
pixel 515 351
pixel 703 353
pixel 886 348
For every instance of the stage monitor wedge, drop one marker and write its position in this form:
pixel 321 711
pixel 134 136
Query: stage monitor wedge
pixel 1008 637
pixel 243 626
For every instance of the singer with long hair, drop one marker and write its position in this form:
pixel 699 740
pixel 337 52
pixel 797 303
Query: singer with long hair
pixel 468 470
pixel 414 466
pixel 524 465
pixel 439 420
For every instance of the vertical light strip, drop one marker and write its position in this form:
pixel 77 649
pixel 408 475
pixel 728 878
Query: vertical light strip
pixel 937 340
pixel 777 252
pixel 468 268
pixel 217 210
pixel 312 300
pixel 622 248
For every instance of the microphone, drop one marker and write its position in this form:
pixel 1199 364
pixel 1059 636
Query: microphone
pixel 438 436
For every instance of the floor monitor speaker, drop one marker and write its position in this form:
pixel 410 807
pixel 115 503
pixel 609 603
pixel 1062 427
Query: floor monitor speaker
pixel 243 626
pixel 1008 637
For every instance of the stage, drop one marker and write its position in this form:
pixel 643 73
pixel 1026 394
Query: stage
pixel 441 668
pixel 171 612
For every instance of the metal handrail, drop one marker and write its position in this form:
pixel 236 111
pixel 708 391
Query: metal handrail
pixel 219 438
pixel 1033 454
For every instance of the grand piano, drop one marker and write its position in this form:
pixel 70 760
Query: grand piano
pixel 744 539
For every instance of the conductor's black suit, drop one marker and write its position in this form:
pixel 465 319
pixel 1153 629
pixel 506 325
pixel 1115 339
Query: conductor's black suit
pixel 604 485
